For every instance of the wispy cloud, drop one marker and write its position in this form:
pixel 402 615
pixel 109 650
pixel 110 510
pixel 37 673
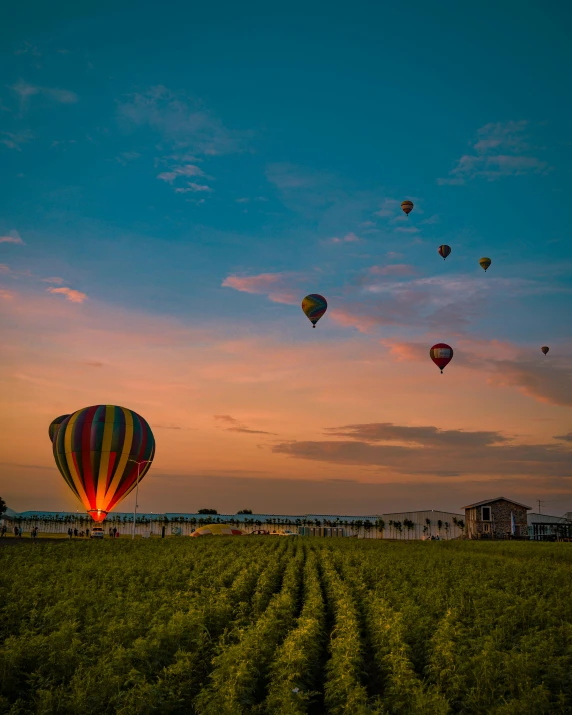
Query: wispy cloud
pixel 193 188
pixel 12 237
pixel 75 296
pixel 230 424
pixel 277 286
pixel 180 170
pixel 183 120
pixel 15 140
pixel 348 238
pixel 25 91
pixel 498 151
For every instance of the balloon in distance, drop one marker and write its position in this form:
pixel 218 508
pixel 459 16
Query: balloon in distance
pixel 444 251
pixel 441 354
pixel 314 306
pixel 55 425
pixel 407 207
pixel 217 530
pixel 485 263
pixel 545 349
pixel 96 448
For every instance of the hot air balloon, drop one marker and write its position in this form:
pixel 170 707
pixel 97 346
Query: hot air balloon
pixel 485 263
pixel 441 354
pixel 314 305
pixel 444 250
pixel 55 425
pixel 545 349
pixel 96 450
pixel 217 530
pixel 407 207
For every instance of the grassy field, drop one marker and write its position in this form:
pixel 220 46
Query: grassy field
pixel 225 626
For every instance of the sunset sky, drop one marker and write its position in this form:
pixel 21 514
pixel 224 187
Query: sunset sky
pixel 176 177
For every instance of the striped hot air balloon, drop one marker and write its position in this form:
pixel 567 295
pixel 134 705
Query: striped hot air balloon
pixel 96 450
pixel 485 263
pixel 55 425
pixel 407 207
pixel 441 354
pixel 314 306
pixel 444 251
pixel 217 530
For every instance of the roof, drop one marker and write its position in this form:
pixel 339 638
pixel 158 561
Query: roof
pixel 491 501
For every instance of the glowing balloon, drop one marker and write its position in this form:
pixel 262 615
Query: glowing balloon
pixel 444 250
pixel 94 448
pixel 407 207
pixel 55 425
pixel 441 354
pixel 545 349
pixel 485 263
pixel 217 530
pixel 314 306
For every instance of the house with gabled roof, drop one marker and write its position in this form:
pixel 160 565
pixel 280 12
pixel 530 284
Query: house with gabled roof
pixel 498 518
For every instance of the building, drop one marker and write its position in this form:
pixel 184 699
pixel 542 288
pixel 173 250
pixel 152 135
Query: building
pixel 498 518
pixel 543 527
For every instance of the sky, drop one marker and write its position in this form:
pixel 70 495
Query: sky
pixel 176 178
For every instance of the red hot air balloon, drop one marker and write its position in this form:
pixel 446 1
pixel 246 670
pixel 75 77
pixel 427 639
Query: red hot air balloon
pixel 97 449
pixel 441 354
pixel 407 207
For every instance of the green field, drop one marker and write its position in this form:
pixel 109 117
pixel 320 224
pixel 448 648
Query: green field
pixel 220 626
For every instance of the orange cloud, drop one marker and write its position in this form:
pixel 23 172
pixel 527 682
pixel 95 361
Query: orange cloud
pixel 75 296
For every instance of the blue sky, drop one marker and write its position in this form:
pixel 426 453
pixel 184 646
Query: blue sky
pixel 150 155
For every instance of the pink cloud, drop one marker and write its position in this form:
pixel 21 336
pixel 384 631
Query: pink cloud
pixel 274 285
pixel 75 296
pixel 12 237
pixel 397 269
pixel 6 295
pixel 348 238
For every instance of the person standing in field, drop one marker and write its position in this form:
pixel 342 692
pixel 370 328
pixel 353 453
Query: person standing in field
pixel 87 533
pixel 70 533
pixel 3 530
pixel 75 532
pixel 114 531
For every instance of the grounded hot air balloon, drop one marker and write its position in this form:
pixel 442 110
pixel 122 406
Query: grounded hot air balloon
pixel 441 354
pixel 314 305
pixel 545 349
pixel 217 530
pixel 55 425
pixel 444 250
pixel 93 448
pixel 407 207
pixel 485 263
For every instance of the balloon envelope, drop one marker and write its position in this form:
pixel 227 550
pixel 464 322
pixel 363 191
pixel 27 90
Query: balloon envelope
pixel 441 354
pixel 314 306
pixel 55 425
pixel 485 263
pixel 217 530
pixel 545 349
pixel 444 250
pixel 92 449
pixel 407 206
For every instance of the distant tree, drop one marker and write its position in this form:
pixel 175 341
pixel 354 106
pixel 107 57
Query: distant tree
pixel 439 525
pixel 3 506
pixel 207 511
pixel 244 511
pixel 380 523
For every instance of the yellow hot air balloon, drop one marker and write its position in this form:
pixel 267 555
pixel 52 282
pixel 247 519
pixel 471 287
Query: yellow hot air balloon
pixel 485 263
